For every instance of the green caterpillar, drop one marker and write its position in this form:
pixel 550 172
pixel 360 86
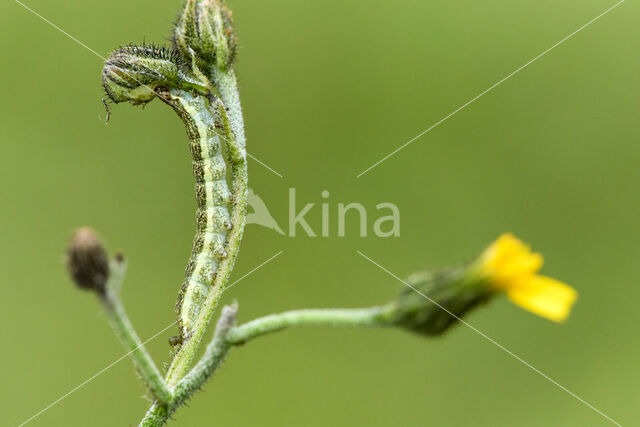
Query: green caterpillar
pixel 206 127
pixel 138 74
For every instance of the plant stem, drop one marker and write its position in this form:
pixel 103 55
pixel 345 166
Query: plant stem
pixel 212 358
pixel 227 85
pixel 215 353
pixel 227 335
pixel 368 317
pixel 121 324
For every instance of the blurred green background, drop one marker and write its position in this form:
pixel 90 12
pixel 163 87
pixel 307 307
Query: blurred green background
pixel 329 88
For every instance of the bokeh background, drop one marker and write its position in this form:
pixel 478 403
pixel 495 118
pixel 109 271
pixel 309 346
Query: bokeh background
pixel 328 89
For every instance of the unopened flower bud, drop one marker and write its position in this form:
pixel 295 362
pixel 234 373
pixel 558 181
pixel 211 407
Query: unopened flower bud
pixel 436 300
pixel 132 73
pixel 205 29
pixel 87 260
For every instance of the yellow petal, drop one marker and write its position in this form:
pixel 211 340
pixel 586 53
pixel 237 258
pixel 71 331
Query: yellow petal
pixel 504 247
pixel 520 264
pixel 507 258
pixel 543 296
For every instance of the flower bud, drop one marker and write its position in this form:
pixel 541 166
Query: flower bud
pixel 87 260
pixel 132 73
pixel 436 300
pixel 205 29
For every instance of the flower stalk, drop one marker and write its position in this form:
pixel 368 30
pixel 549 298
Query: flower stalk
pixel 333 317
pixel 90 268
pixel 227 335
pixel 129 338
pixel 215 353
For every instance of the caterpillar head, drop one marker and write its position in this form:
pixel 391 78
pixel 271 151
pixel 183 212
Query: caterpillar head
pixel 133 73
pixel 205 29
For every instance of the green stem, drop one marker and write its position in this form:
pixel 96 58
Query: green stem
pixel 121 324
pixel 368 317
pixel 212 358
pixel 227 85
pixel 156 416
pixel 215 353
pixel 227 335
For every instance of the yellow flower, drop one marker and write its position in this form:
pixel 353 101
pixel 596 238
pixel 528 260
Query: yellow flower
pixel 511 267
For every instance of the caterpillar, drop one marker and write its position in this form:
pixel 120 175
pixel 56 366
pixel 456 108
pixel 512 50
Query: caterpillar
pixel 206 126
pixel 137 75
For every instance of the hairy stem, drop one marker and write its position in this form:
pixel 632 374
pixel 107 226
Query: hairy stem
pixel 368 317
pixel 227 335
pixel 212 358
pixel 215 353
pixel 121 324
pixel 227 85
